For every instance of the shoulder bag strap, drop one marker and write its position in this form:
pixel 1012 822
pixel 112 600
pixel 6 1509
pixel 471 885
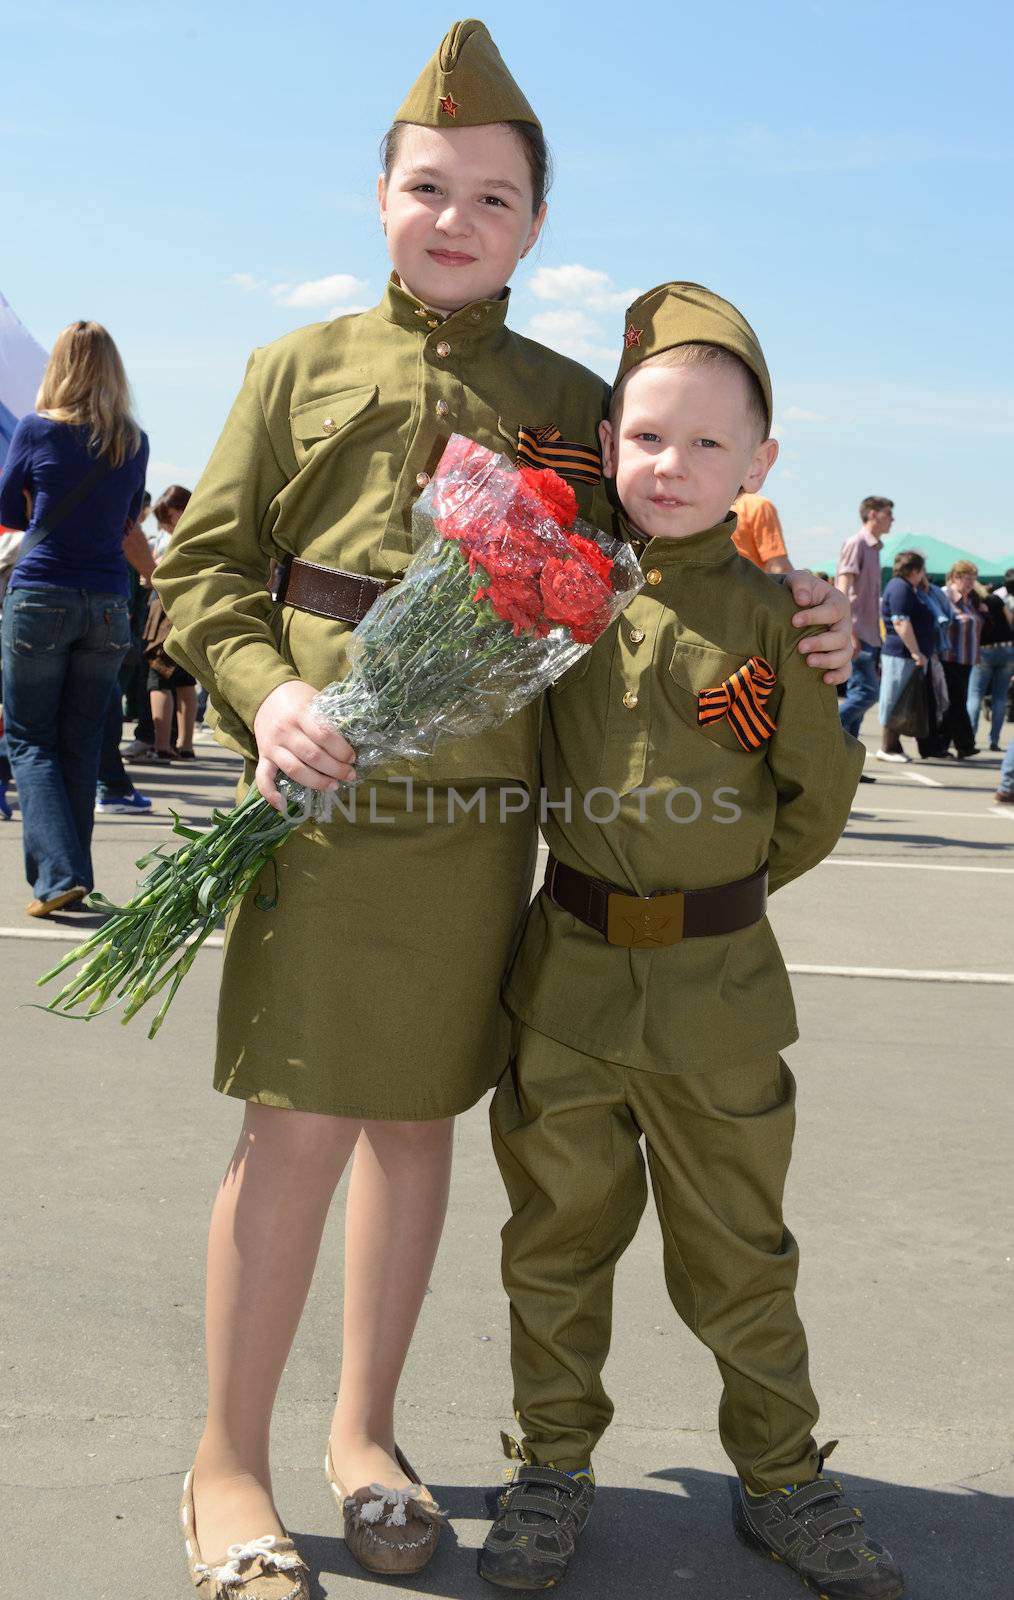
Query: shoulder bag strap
pixel 64 507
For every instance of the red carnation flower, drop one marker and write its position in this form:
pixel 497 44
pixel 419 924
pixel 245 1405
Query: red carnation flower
pixel 516 600
pixel 506 552
pixel 596 558
pixel 558 498
pixel 574 595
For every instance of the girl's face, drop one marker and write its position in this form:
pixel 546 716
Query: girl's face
pixel 457 211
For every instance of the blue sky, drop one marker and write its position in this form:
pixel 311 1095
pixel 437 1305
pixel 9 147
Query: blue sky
pixel 193 174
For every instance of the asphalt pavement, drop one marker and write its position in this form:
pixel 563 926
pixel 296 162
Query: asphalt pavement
pixel 902 950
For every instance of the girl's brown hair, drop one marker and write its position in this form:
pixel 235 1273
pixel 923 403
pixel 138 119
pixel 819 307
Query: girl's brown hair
pixel 85 384
pixel 175 498
pixel 532 141
pixel 960 568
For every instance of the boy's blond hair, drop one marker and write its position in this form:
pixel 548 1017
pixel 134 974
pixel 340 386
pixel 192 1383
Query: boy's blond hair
pixel 699 355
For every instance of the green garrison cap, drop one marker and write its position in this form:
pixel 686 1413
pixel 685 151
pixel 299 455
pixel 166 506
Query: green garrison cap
pixel 466 85
pixel 686 313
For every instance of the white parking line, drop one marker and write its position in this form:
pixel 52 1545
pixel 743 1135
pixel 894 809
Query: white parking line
pixel 914 866
pixel 902 974
pixel 906 975
pixel 920 777
pixel 79 935
pixel 870 814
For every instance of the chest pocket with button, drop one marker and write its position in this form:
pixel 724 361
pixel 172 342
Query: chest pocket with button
pixel 315 423
pixel 694 668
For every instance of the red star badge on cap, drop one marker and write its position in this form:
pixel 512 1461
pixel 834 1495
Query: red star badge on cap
pixel 449 106
pixel 632 337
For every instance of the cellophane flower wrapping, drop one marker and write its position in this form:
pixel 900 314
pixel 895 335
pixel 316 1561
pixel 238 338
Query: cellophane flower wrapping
pixel 505 590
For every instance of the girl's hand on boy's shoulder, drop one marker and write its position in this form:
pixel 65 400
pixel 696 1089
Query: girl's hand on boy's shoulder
pixel 825 607
pixel 292 740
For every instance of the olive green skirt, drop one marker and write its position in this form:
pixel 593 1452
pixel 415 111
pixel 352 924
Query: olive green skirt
pixel 373 988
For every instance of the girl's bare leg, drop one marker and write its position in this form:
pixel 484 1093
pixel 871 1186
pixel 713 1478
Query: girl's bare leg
pixel 266 1228
pixel 186 716
pixel 162 717
pixel 397 1201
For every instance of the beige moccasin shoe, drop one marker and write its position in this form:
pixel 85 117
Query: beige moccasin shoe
pixel 388 1530
pixel 268 1568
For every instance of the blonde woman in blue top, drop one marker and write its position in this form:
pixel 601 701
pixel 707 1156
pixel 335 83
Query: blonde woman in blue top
pixel 73 480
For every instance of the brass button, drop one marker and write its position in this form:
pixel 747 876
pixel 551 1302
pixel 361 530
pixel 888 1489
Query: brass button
pixel 442 408
pixel 653 575
pixel 432 322
pixel 630 699
pixel 422 479
pixel 476 315
pixel 637 635
pixel 443 348
pixel 329 425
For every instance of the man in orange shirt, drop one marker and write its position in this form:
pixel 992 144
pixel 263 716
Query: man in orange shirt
pixel 758 534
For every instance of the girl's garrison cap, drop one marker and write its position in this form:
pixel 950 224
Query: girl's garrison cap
pixel 465 85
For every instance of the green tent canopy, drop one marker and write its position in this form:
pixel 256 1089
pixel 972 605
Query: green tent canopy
pixel 940 557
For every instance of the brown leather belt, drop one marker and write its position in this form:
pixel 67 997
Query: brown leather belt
pixel 644 922
pixel 326 591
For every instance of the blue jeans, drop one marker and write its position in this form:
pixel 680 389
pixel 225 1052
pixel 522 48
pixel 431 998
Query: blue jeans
pixel 862 689
pixel 1006 785
pixel 62 650
pixel 991 676
pixel 113 781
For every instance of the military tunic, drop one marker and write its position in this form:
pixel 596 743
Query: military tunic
pixel 693 809
pixel 371 990
pixel 676 1045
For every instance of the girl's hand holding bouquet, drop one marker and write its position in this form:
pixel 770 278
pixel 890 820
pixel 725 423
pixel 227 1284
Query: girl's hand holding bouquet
pixel 292 741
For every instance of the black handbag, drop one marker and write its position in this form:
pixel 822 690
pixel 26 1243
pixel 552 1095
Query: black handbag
pixel 910 712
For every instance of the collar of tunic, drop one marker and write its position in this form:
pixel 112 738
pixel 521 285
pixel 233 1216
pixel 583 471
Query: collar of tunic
pixel 471 324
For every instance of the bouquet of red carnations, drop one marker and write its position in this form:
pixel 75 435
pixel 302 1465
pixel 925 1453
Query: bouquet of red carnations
pixel 506 590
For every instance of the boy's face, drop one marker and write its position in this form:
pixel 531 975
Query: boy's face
pixel 684 445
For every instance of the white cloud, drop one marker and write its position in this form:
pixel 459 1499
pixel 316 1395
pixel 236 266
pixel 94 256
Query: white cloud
pixel 340 287
pixel 575 334
pixel 167 472
pixel 344 311
pixel 800 414
pixel 593 290
pixel 245 281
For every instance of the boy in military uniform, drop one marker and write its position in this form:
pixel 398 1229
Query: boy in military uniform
pixel 691 763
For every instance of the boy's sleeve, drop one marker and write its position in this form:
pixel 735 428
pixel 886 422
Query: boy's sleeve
pixel 816 767
pixel 14 479
pixel 213 578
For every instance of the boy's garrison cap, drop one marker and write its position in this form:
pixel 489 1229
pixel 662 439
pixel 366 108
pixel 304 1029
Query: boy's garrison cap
pixel 685 313
pixel 465 85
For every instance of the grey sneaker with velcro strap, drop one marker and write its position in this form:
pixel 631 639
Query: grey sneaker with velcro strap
pixel 813 1529
pixel 541 1512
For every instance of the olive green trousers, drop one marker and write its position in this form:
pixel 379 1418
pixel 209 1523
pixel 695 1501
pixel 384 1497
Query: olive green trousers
pixel 567 1132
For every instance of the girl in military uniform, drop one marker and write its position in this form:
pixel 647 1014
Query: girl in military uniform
pixel 362 1014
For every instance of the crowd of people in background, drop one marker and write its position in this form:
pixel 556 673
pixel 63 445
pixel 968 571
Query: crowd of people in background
pixel 83 632
pixel 930 656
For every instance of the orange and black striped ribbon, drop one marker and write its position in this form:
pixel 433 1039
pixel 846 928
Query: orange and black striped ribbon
pixel 741 698
pixel 543 447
